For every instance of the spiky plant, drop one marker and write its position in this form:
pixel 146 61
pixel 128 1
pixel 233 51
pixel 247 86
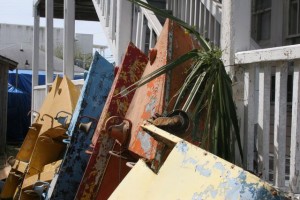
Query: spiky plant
pixel 208 88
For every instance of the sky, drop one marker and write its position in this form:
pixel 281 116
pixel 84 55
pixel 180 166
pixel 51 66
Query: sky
pixel 21 12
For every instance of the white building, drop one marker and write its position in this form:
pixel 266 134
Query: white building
pixel 16 43
pixel 259 39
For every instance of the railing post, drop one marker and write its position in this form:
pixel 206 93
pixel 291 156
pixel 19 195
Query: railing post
pixel 69 34
pixel 112 19
pixel 49 43
pixel 249 111
pixel 263 128
pixel 235 36
pixel 295 130
pixel 280 124
pixel 35 56
pixel 124 28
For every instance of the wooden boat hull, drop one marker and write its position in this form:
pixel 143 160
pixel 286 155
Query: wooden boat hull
pixel 129 72
pixel 89 107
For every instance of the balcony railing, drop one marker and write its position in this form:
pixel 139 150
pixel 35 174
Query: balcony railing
pixel 270 83
pixel 204 15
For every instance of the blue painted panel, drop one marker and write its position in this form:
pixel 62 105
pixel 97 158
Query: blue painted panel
pixel 91 102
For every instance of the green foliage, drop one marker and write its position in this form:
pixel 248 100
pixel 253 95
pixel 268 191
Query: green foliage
pixel 206 91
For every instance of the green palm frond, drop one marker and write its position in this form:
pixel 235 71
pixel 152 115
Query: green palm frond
pixel 206 93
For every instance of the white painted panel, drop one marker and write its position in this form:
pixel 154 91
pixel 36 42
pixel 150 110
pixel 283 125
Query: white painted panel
pixel 143 35
pixel 263 128
pixel 249 99
pixel 107 12
pixel 295 136
pixel 201 21
pixel 268 54
pixel 113 19
pixel 197 14
pixel 187 11
pixel 280 123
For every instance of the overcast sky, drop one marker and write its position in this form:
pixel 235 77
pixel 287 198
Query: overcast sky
pixel 20 12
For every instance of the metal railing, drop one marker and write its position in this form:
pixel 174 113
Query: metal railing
pixel 270 81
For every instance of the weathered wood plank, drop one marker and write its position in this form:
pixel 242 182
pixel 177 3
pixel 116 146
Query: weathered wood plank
pixel 280 123
pixel 249 106
pixel 295 136
pixel 263 132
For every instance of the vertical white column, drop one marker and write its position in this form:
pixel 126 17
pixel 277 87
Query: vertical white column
pixel 249 106
pixel 49 43
pixel 295 136
pixel 35 56
pixel 124 28
pixel 263 118
pixel 235 36
pixel 280 124
pixel 69 34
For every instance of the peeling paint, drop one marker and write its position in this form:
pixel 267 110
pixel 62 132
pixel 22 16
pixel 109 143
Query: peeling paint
pixel 202 170
pixel 182 147
pixel 145 141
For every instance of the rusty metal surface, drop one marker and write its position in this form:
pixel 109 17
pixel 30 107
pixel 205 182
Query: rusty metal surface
pixel 49 147
pixel 156 96
pixel 130 71
pixel 89 106
pixel 189 172
pixel 25 152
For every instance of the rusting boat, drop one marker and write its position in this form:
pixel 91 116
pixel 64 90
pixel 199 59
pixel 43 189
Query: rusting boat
pixel 40 153
pixel 129 72
pixel 154 97
pixel 82 126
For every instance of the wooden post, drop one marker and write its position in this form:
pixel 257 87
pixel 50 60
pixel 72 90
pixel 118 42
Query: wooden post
pixel 49 43
pixel 69 38
pixel 124 28
pixel 3 111
pixel 295 136
pixel 5 65
pixel 35 57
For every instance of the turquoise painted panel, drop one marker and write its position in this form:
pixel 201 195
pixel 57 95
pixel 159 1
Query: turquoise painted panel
pixel 91 102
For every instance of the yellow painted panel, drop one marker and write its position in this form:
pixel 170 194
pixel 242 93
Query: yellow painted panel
pixel 20 166
pixel 192 173
pixel 46 175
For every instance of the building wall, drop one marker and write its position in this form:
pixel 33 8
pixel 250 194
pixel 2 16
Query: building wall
pixel 17 34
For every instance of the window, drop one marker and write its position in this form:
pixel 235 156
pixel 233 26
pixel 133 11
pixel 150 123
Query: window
pixel 294 22
pixel 261 20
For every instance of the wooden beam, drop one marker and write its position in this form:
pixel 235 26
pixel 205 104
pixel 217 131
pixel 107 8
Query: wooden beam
pixel 69 38
pixel 3 111
pixel 49 43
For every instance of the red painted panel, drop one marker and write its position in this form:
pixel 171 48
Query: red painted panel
pixel 130 71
